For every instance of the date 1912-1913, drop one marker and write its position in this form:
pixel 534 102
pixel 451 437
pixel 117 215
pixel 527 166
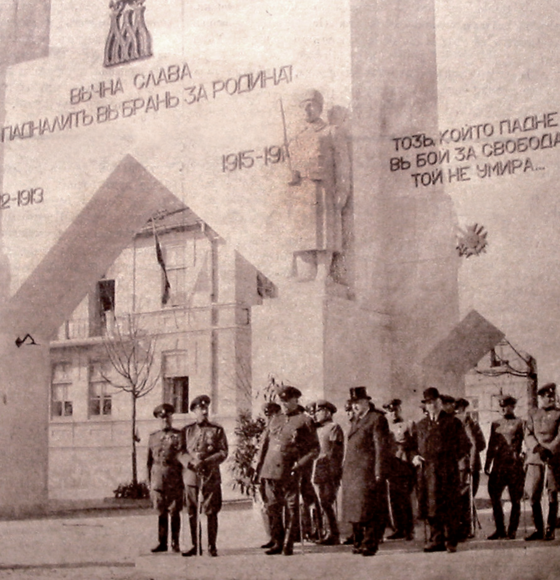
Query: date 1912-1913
pixel 23 198
pixel 247 159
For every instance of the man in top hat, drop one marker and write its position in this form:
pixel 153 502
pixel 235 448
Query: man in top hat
pixel 320 154
pixel 327 471
pixel 504 467
pixel 542 439
pixel 364 473
pixel 289 444
pixel 441 443
pixel 206 447
pixel 401 472
pixel 165 476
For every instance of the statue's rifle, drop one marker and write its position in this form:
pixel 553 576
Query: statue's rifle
pixel 286 145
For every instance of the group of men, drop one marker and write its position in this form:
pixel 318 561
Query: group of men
pixel 381 464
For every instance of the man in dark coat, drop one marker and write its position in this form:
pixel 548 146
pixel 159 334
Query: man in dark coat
pixel 504 467
pixel 364 472
pixel 401 472
pixel 165 475
pixel 542 439
pixel 441 443
pixel 206 448
pixel 289 444
pixel 471 466
pixel 327 470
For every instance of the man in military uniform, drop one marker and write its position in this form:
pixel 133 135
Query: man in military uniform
pixel 289 444
pixel 310 509
pixel 205 448
pixel 542 439
pixel 504 467
pixel 441 443
pixel 327 470
pixel 401 472
pixel 471 466
pixel 364 473
pixel 165 476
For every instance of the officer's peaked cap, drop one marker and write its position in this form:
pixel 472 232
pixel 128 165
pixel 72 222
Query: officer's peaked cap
pixel 507 400
pixel 546 389
pixel 323 404
pixel 358 393
pixel 461 403
pixel 393 404
pixel 200 401
pixel 287 392
pixel 164 410
pixel 447 399
pixel 431 394
pixel 271 407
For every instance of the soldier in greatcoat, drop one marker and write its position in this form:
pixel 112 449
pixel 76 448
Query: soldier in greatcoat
pixel 206 448
pixel 327 470
pixel 165 476
pixel 504 467
pixel 364 473
pixel 289 444
pixel 542 440
pixel 441 443
pixel 401 472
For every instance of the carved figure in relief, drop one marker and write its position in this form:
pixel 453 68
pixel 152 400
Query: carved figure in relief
pixel 320 154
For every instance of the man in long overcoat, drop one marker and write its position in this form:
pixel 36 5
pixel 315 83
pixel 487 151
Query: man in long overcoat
pixel 441 443
pixel 206 448
pixel 364 473
pixel 165 474
pixel 289 444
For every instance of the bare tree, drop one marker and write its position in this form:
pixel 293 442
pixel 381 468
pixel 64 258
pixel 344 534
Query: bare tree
pixel 131 353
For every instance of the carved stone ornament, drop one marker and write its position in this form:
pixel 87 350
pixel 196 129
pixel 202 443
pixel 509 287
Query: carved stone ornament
pixel 128 37
pixel 472 241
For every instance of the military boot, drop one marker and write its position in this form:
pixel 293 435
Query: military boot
pixel 175 532
pixel 162 534
pixel 538 534
pixel 551 520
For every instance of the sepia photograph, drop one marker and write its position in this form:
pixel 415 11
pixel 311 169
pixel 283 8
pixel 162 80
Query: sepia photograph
pixel 279 290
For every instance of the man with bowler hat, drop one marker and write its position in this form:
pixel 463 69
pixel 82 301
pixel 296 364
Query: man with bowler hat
pixel 206 448
pixel 542 439
pixel 165 476
pixel 401 472
pixel 327 471
pixel 364 473
pixel 441 443
pixel 504 467
pixel 289 445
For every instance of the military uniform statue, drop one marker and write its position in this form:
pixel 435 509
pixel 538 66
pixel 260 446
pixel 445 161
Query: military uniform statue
pixel 165 475
pixel 320 155
pixel 327 470
pixel 206 448
pixel 401 472
pixel 289 444
pixel 504 467
pixel 542 440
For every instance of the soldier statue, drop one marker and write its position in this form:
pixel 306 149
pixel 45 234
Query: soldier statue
pixel 289 445
pixel 504 467
pixel 542 440
pixel 165 476
pixel 206 448
pixel 320 154
pixel 327 470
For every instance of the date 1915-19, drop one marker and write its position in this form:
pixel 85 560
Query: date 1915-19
pixel 23 198
pixel 246 159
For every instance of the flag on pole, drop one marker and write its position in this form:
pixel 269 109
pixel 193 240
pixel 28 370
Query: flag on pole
pixel 161 262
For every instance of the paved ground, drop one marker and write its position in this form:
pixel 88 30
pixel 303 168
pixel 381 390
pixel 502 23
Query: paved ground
pixel 117 546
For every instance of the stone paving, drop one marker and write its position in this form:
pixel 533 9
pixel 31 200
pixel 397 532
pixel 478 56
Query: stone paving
pixel 116 546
